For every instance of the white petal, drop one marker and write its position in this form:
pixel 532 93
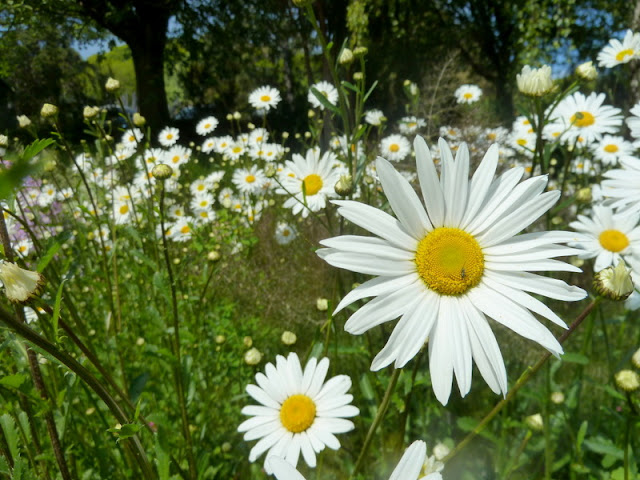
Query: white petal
pixel 374 287
pixel 334 425
pixel 369 245
pixel 411 463
pixel 260 431
pixel 403 200
pixel 266 443
pixel 429 182
pixel 368 264
pixel 318 378
pixel 480 183
pixel 527 241
pixel 261 396
pixel 536 253
pixel 512 316
pixel 308 453
pixel 462 362
pixel 384 308
pixel 457 198
pixel 533 266
pixel 441 356
pixel 377 222
pixel 530 282
pixel 283 470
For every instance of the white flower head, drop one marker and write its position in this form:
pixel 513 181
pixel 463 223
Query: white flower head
pixel 19 284
pixel 325 89
pixel 617 53
pixel 444 267
pixel 468 94
pixel 535 82
pixel 264 98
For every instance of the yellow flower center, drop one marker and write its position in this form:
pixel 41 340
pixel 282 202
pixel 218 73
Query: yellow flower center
pixel 613 240
pixel 285 233
pixel 467 95
pixel 236 149
pixel 250 179
pixel 184 230
pixel 312 184
pixel 611 148
pixel 394 147
pixel 583 119
pixel 175 159
pixel 201 187
pixel 491 136
pixel 207 126
pixel 449 261
pixel 521 141
pixel 169 136
pixel 622 54
pixel 124 209
pixel 265 98
pixel 297 413
pixel 412 124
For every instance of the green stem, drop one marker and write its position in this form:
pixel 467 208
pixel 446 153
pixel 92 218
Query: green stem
pixel 524 378
pixel 376 421
pixel 176 333
pixel 84 374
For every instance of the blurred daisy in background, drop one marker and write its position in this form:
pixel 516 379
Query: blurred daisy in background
pixel 168 136
pixel 395 147
pixel 327 90
pixel 443 270
pixel 285 233
pixel 299 412
pixel 409 125
pixel 611 148
pixel 374 117
pixel 617 52
pixel 206 125
pixel 468 94
pixel 248 180
pixel 608 237
pixel 264 98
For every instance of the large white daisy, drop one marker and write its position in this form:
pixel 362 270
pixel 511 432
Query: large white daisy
pixel 409 467
pixel 395 147
pixel 616 52
pixel 586 117
pixel 327 90
pixel 264 98
pixel 467 93
pixel 445 269
pixel 609 236
pixel 298 411
pixel 309 181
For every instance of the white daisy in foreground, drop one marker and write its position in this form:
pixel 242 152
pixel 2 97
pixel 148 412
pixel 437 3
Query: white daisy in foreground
pixel 19 284
pixel 586 117
pixel 623 184
pixel 618 52
pixel 206 125
pixel 409 467
pixel 310 181
pixel 168 136
pixel 467 94
pixel 264 98
pixel 395 147
pixel 298 411
pixel 445 269
pixel 609 236
pixel 327 90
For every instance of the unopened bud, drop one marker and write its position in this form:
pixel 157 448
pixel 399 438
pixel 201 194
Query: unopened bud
pixel 112 85
pixel 344 186
pixel 557 398
pixel 614 283
pixel 360 51
pixel 322 304
pixel 288 338
pixel 162 171
pixel 627 380
pixel 48 110
pixel 358 76
pixel 252 357
pixel 247 341
pixel 346 56
pixel 213 255
pixel 587 71
pixel 139 120
pixel 534 422
pixel 90 112
pixel 23 121
pixel 635 359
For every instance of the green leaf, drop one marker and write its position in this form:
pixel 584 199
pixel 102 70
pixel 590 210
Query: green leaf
pixel 8 425
pixel 13 381
pixel 468 424
pixel 370 91
pixel 324 101
pixel 581 434
pixel 366 388
pixel 127 430
pixel 604 446
pixel 36 147
pixel 137 386
pixel 44 261
pixel 162 462
pixel 578 358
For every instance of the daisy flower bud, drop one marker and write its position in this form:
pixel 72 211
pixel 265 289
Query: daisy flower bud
pixel 247 341
pixel 534 422
pixel 220 339
pixel 48 110
pixel 162 171
pixel 358 76
pixel 19 284
pixel 346 56
pixel 322 304
pixel 360 51
pixel 587 71
pixel 557 398
pixel 90 112
pixel 252 357
pixel 213 255
pixel 112 85
pixel 535 82
pixel 614 283
pixel 627 380
pixel 635 359
pixel 288 338
pixel 344 186
pixel 4 141
pixel 23 121
pixel 139 120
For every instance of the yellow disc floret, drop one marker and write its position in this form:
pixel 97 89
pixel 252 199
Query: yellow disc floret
pixel 449 261
pixel 613 240
pixel 622 54
pixel 297 413
pixel 611 148
pixel 583 119
pixel 312 184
